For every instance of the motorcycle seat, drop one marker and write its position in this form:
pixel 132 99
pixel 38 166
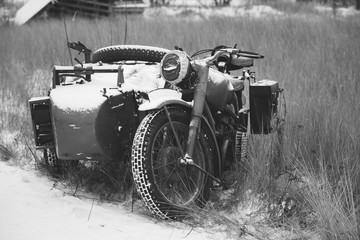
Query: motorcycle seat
pixel 237 84
pixel 240 62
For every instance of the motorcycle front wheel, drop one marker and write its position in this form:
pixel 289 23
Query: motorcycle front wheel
pixel 169 188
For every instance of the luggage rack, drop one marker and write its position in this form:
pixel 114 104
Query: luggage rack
pixel 85 71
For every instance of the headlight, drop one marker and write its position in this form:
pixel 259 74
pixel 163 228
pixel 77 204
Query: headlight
pixel 175 66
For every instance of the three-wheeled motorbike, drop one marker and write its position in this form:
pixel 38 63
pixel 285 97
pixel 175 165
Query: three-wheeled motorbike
pixel 183 119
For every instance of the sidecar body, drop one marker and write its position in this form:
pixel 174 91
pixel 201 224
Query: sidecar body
pixel 91 120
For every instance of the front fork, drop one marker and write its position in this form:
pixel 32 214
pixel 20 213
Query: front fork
pixel 196 115
pixel 197 111
pixel 195 123
pixel 194 126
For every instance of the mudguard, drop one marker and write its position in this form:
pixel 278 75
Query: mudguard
pixel 162 97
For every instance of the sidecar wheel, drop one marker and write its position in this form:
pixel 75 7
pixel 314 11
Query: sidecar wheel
pixel 169 188
pixel 56 165
pixel 50 157
pixel 129 53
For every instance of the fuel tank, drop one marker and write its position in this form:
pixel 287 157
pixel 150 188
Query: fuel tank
pixel 219 90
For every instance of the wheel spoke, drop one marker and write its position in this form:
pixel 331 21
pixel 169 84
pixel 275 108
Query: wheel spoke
pixel 167 177
pixel 161 166
pixel 174 132
pixel 183 183
pixel 190 178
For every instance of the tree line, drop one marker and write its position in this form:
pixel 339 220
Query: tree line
pixel 334 3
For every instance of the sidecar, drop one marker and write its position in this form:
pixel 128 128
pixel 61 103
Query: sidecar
pixel 91 119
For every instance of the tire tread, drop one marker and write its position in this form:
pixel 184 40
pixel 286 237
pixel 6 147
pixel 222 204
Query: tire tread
pixel 129 53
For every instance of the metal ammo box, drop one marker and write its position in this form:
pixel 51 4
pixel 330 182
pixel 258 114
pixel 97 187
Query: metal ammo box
pixel 263 105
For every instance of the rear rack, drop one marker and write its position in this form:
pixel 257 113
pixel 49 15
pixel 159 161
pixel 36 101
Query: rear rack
pixel 85 71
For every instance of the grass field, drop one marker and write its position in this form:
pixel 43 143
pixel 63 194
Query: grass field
pixel 315 59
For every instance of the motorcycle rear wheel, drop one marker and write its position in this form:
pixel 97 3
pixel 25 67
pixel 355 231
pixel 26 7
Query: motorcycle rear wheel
pixel 168 188
pixel 129 53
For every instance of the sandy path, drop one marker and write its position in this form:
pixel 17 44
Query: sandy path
pixel 31 209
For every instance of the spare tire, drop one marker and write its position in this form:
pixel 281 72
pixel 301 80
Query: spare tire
pixel 129 53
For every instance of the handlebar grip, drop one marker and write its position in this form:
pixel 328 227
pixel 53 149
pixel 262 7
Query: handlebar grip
pixel 250 54
pixel 241 53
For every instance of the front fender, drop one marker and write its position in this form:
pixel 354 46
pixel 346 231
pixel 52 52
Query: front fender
pixel 162 97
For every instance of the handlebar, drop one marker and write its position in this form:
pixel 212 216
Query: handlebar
pixel 250 55
pixel 241 53
pixel 232 51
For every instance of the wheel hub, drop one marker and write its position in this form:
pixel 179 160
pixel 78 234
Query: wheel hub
pixel 169 162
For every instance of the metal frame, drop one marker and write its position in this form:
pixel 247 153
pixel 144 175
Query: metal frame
pixel 86 69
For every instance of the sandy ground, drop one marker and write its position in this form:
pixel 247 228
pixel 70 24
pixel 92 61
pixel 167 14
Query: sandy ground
pixel 30 208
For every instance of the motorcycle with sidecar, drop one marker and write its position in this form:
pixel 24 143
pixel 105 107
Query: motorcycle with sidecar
pixel 181 120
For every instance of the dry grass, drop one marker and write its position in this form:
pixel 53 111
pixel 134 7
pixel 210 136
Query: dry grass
pixel 314 58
